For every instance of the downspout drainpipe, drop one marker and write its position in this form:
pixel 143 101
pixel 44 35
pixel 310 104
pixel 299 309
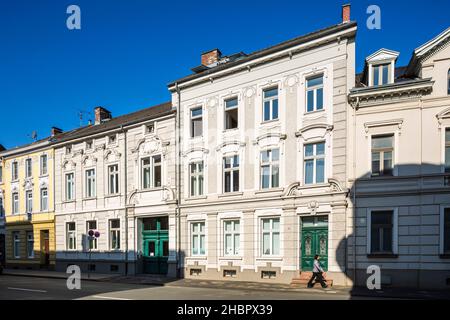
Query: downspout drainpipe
pixel 125 190
pixel 178 177
pixel 354 191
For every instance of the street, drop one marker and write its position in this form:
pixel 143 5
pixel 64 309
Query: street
pixel 30 288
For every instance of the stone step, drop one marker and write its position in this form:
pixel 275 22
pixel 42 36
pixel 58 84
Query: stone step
pixel 302 280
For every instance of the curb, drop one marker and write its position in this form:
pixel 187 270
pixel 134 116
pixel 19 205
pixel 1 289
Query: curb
pixel 50 276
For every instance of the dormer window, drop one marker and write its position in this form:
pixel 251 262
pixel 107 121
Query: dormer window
pixel 380 74
pixel 150 128
pixel 112 139
pixel 380 67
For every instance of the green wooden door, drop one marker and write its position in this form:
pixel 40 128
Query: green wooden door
pixel 155 245
pixel 314 239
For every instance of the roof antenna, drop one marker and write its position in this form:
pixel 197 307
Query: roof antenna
pixel 81 116
pixel 33 135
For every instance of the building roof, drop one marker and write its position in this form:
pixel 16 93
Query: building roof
pixel 399 76
pixel 267 51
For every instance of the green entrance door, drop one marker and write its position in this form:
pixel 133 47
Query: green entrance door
pixel 314 239
pixel 155 237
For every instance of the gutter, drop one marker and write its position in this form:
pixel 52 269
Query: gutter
pixel 125 190
pixel 178 177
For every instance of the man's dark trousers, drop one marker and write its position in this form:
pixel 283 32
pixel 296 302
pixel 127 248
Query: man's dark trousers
pixel 319 277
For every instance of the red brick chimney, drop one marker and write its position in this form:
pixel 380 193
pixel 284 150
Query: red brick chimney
pixel 346 13
pixel 211 57
pixel 55 131
pixel 101 115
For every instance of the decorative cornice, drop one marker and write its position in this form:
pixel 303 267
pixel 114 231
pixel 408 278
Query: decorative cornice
pixel 393 122
pixel 327 127
pixel 227 143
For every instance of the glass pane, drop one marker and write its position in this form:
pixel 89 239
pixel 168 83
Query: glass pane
pixel 227 182
pixel 236 180
pixel 387 239
pixel 320 148
pixel 276 224
pixel 271 93
pixel 375 162
pixel 308 246
pixel 228 244
pixel 320 171
pixel 195 227
pixel 236 226
pixel 309 171
pixel 275 109
pixel 165 248
pixel 195 244
pixel 231 119
pixel 157 178
pixel 385 74
pixel 231 103
pixel 193 181
pixel 202 245
pixel 323 246
pixel 266 243
pixel 146 182
pixel 275 176
pixel 376 75
pixel 447 135
pixel 266 224
pixel 375 239
pixel 381 217
pixel 265 156
pixel 276 243
pixel 200 185
pixel 447 159
pixel 200 167
pixel 310 101
pixel 265 177
pixel 228 226
pixel 447 230
pixel 387 163
pixel 309 150
pixel 197 127
pixel 227 162
pixel 382 142
pixel 202 227
pixel 236 161
pixel 316 81
pixel 196 112
pixel 319 97
pixel 266 110
pixel 275 155
pixel 237 241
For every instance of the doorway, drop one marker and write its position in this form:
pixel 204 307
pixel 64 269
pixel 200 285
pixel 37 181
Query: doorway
pixel 155 237
pixel 314 240
pixel 45 249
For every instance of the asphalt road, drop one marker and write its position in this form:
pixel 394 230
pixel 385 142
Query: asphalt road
pixel 29 288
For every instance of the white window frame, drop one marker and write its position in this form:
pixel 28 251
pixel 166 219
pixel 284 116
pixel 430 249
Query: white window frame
pixel 231 171
pixel 43 164
pixel 315 157
pixel 314 89
pixel 30 256
pixel 197 174
pixel 379 67
pixel 394 230
pixel 233 233
pixel 28 168
pixel 114 187
pixel 90 180
pixel 271 232
pixel 71 234
pixel 15 203
pixel 442 229
pixel 271 163
pixel 270 100
pixel 15 171
pixel 382 151
pixel 93 239
pixel 70 196
pixel 191 122
pixel 28 201
pixel 199 235
pixel 1 174
pixel 44 208
pixel 151 167
pixel 227 109
pixel 16 244
pixel 111 232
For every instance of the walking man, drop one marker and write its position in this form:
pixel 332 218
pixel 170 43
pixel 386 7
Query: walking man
pixel 317 274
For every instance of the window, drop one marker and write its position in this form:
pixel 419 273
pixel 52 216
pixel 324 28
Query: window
pixel 114 234
pixel 231 174
pixel 380 74
pixel 270 104
pixel 113 172
pixel 68 149
pixel 29 201
pixel 16 244
pixel 2 208
pixel 44 164
pixel 315 163
pixel 30 244
pixel 231 113
pixel 446 231
pixel 447 150
pixel 196 122
pixel 150 128
pixel 151 172
pixel 71 234
pixel 271 236
pixel 1 174
pixel 112 139
pixel 28 168
pixel 381 232
pixel 90 183
pixel 231 238
pixel 15 203
pixel 89 145
pixel 70 186
pixel 44 199
pixel 92 241
pixel 314 93
pixel 270 175
pixel 198 238
pixel 15 171
pixel 196 178
pixel 382 155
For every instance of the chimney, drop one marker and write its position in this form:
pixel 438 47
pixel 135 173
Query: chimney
pixel 101 115
pixel 211 56
pixel 346 13
pixel 55 131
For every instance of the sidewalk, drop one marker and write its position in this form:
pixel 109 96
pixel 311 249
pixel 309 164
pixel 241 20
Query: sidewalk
pixel 56 275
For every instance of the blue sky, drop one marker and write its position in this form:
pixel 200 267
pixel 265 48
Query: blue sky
pixel 127 51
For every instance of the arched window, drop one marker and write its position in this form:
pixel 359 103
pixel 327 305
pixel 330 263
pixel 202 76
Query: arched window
pixel 448 82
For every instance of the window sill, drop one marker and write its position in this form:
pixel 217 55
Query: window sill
pixel 151 189
pixel 270 121
pixel 230 194
pixel 113 195
pixel 307 113
pixel 269 258
pixel 231 130
pixel 382 255
pixel 271 190
pixel 381 176
pixel 69 201
pixel 43 176
pixel 89 198
pixel 236 258
pixel 197 257
pixel 196 198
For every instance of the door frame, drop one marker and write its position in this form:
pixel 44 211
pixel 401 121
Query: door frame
pixel 317 228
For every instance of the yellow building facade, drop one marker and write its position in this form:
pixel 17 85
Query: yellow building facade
pixel 27 191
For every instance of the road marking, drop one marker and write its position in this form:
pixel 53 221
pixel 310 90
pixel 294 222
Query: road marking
pixel 30 290
pixel 109 298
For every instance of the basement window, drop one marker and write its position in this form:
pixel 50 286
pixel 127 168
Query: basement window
pixel 91 267
pixel 195 272
pixel 229 273
pixel 268 274
pixel 114 268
